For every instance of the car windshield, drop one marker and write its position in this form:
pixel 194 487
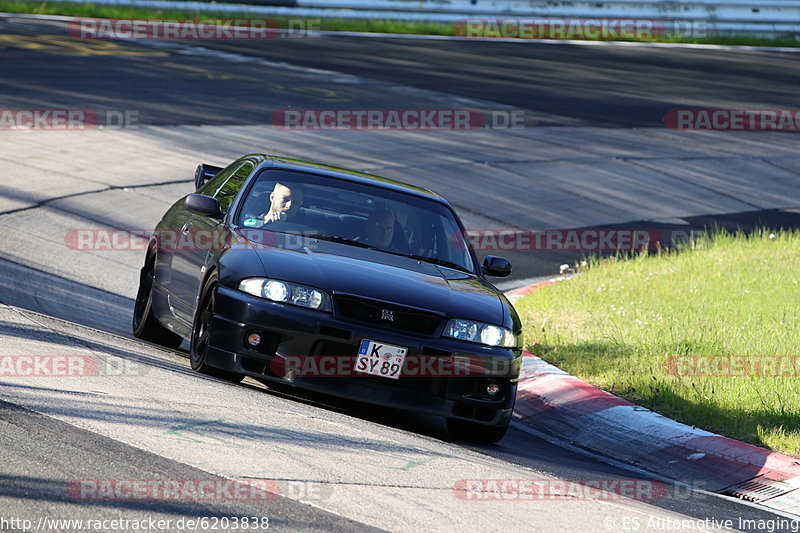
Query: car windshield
pixel 357 215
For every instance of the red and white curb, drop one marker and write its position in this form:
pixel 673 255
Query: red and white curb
pixel 573 411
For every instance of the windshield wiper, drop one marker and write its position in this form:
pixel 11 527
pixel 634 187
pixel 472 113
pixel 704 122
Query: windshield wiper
pixel 341 240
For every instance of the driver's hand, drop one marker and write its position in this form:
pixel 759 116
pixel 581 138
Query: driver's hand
pixel 272 216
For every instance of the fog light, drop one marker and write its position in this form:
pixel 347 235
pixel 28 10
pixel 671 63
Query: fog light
pixel 493 389
pixel 254 339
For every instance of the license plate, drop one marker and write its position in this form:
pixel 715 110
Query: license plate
pixel 380 359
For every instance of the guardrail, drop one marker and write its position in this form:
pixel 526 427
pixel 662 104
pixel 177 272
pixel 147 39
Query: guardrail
pixel 768 18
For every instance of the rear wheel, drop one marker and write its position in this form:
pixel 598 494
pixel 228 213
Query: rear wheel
pixel 145 325
pixel 201 334
pixel 464 429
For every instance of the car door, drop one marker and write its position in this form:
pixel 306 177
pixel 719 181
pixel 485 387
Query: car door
pixel 201 236
pixel 171 270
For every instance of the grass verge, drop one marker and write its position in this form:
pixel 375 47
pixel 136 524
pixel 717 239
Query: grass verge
pixel 647 328
pixel 328 24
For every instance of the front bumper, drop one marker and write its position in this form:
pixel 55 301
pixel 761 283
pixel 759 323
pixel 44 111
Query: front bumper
pixel 289 332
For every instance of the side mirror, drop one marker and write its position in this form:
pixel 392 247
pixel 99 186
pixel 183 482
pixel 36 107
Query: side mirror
pixel 203 205
pixel 497 267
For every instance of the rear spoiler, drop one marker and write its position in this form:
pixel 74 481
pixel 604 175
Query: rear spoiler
pixel 204 173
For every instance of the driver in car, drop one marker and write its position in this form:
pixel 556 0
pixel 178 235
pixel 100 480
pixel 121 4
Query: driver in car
pixel 285 203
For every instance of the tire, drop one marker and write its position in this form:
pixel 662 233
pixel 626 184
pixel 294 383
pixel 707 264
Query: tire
pixel 201 333
pixel 463 429
pixel 145 325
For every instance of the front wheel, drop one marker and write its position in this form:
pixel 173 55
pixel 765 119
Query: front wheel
pixel 201 335
pixel 145 325
pixel 464 429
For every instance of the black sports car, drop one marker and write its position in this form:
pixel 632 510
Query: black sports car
pixel 335 281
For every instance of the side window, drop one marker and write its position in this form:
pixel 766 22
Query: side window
pixel 211 186
pixel 231 187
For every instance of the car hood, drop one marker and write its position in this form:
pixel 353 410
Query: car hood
pixel 344 269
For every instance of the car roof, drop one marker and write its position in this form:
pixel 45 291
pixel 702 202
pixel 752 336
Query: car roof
pixel 321 169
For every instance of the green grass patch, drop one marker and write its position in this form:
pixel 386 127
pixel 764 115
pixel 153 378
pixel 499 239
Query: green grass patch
pixel 328 24
pixel 619 322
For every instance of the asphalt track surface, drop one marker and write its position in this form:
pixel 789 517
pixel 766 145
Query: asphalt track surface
pixel 559 85
pixel 373 468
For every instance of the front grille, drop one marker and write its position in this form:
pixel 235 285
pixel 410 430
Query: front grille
pixel 372 312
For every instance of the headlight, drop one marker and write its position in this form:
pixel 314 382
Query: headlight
pixel 285 292
pixel 469 330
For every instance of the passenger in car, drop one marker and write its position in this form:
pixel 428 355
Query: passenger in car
pixel 380 228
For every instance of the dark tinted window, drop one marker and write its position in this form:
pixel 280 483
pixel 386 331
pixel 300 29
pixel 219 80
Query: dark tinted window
pixel 212 185
pixel 231 187
pixel 358 214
